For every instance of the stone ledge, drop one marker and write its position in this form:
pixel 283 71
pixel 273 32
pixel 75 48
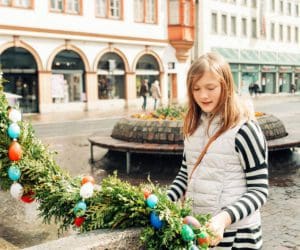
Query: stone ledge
pixel 95 240
pixel 4 245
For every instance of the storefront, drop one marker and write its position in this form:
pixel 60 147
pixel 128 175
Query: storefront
pixel 67 81
pixel 147 69
pixel 268 79
pixel 20 70
pixel 250 76
pixel 285 79
pixel 111 77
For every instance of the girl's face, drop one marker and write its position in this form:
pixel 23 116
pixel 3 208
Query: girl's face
pixel 207 92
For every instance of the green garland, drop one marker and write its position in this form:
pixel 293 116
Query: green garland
pixel 116 204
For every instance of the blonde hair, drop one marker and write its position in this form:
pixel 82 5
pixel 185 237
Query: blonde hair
pixel 229 108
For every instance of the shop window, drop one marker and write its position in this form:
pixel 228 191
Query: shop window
pixel 66 6
pixel 67 79
pixel 17 3
pixel 145 11
pixel 111 77
pixel 20 70
pixel 109 8
pixel 147 69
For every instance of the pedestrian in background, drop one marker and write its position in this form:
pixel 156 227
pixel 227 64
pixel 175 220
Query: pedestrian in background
pixel 144 92
pixel 155 92
pixel 224 168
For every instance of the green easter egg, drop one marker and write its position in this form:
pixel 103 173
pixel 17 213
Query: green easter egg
pixel 187 233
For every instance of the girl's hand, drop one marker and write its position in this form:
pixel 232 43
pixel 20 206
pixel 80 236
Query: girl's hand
pixel 217 225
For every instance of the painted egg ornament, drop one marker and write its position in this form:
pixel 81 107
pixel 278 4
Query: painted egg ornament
pixel 147 193
pixel 78 221
pixel 14 131
pixel 15 115
pixel 193 247
pixel 152 201
pixel 14 151
pixel 16 190
pixel 87 179
pixel 86 190
pixel 80 208
pixel 14 172
pixel 187 233
pixel 155 221
pixel 28 197
pixel 203 239
pixel 191 221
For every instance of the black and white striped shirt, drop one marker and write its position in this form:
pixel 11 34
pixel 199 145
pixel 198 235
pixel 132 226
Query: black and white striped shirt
pixel 251 146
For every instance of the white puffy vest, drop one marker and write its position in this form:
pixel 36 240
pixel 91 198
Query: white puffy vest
pixel 219 179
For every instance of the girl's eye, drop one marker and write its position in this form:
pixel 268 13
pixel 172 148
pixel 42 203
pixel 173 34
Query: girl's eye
pixel 211 88
pixel 195 89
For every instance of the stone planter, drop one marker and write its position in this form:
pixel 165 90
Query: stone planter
pixel 170 131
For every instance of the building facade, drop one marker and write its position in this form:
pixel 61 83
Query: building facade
pixel 76 55
pixel 259 38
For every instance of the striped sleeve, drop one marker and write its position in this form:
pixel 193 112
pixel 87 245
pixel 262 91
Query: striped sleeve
pixel 251 146
pixel 179 185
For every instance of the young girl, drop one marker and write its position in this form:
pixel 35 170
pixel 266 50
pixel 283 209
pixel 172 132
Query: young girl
pixel 231 181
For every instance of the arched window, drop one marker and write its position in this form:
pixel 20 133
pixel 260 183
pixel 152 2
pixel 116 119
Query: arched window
pixel 147 68
pixel 20 69
pixel 111 77
pixel 68 78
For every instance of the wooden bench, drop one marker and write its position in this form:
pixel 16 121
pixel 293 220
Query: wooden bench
pixel 292 140
pixel 106 141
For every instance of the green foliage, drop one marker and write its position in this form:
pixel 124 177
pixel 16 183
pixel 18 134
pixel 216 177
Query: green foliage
pixel 177 112
pixel 114 204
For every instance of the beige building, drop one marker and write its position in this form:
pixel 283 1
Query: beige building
pixel 75 55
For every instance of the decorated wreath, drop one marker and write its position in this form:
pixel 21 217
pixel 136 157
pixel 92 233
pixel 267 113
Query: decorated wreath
pixel 29 171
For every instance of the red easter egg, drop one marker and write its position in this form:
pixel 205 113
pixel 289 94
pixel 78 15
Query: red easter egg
pixel 28 197
pixel 15 151
pixel 146 193
pixel 203 242
pixel 86 179
pixel 78 221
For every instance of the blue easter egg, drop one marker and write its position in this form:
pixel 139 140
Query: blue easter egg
pixel 80 208
pixel 152 201
pixel 14 172
pixel 155 221
pixel 13 131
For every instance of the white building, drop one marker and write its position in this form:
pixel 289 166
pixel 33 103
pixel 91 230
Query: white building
pixel 260 39
pixel 75 55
